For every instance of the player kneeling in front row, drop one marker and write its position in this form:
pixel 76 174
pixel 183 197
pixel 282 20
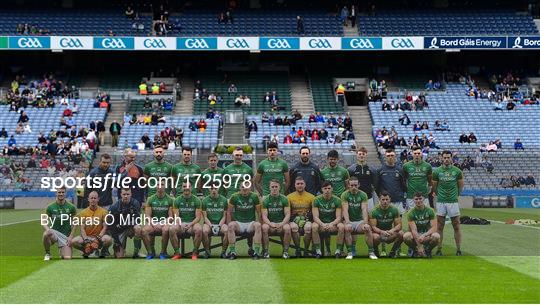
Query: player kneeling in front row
pixel 355 216
pixel 422 236
pixel 214 209
pixel 301 202
pixel 124 214
pixel 93 228
pixel 158 208
pixel 188 207
pixel 327 219
pixel 244 210
pixel 57 230
pixel 386 224
pixel 275 215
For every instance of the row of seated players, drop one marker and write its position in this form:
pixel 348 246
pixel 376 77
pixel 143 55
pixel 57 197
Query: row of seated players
pixel 240 211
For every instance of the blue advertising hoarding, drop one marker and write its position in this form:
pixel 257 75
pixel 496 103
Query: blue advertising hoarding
pixel 114 43
pixel 474 42
pixel 527 202
pixel 29 42
pixel 361 43
pixel 279 43
pixel 524 42
pixel 196 43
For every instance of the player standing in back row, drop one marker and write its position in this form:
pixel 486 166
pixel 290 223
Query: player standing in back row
pixel 237 167
pixel 271 168
pixel 447 185
pixel 159 168
pixel 336 175
pixel 364 174
pixel 418 176
pixel 308 170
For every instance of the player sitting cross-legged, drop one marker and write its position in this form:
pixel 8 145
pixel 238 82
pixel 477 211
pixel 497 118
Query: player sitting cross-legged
pixel 125 213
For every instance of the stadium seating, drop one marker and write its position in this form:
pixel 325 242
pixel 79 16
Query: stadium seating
pixel 35 174
pixel 255 85
pixel 195 139
pixel 447 22
pixel 465 114
pixel 323 94
pixel 45 119
pixel 193 23
pixel 256 138
pixel 73 22
pixel 258 23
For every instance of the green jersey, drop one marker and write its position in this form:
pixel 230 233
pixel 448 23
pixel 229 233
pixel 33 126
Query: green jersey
pixel 158 170
pixel 422 218
pixel 447 186
pixel 187 207
pixel 180 171
pixel 385 217
pixel 55 212
pixel 214 208
pixel 337 177
pixel 275 205
pixel 210 177
pixel 417 178
pixel 233 169
pixel 355 204
pixel 244 206
pixel 327 208
pixel 270 170
pixel 160 206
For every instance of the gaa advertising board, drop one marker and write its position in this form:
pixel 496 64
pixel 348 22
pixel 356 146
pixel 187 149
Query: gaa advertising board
pixel 398 43
pixel 527 202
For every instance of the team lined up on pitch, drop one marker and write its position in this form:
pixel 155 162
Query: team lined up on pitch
pixel 320 203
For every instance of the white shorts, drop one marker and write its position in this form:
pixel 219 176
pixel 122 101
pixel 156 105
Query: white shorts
pixel 399 206
pixel 409 203
pixel 357 225
pixel 450 209
pixel 245 227
pixel 370 205
pixel 61 239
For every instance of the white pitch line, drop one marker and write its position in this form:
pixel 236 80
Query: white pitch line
pixel 17 222
pixel 519 225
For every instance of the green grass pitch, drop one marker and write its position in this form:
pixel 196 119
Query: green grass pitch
pixel 501 265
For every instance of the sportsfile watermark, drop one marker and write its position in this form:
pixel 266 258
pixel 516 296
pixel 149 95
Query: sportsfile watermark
pixel 118 181
pixel 109 220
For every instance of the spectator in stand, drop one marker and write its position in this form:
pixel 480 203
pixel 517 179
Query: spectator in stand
pixel 472 138
pixel 252 127
pixel 491 147
pixel 275 138
pixel 498 105
pixel 425 126
pixel 3 133
pixel 192 125
pixel 130 13
pixel 463 138
pixel 498 143
pixel 232 89
pixel 11 141
pixel 518 145
pixel 530 180
pixel 23 118
pixel 510 105
pixel 299 25
pixel 417 126
pixel 319 118
pixel 288 139
pixel 385 106
pixel 115 129
pixel 297 115
pixel 429 85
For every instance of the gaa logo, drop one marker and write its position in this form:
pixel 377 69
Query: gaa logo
pixel 402 43
pixel 71 43
pixel 194 43
pixel 237 43
pixel 150 43
pixel 359 43
pixel 276 43
pixel 29 43
pixel 319 44
pixel 113 43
